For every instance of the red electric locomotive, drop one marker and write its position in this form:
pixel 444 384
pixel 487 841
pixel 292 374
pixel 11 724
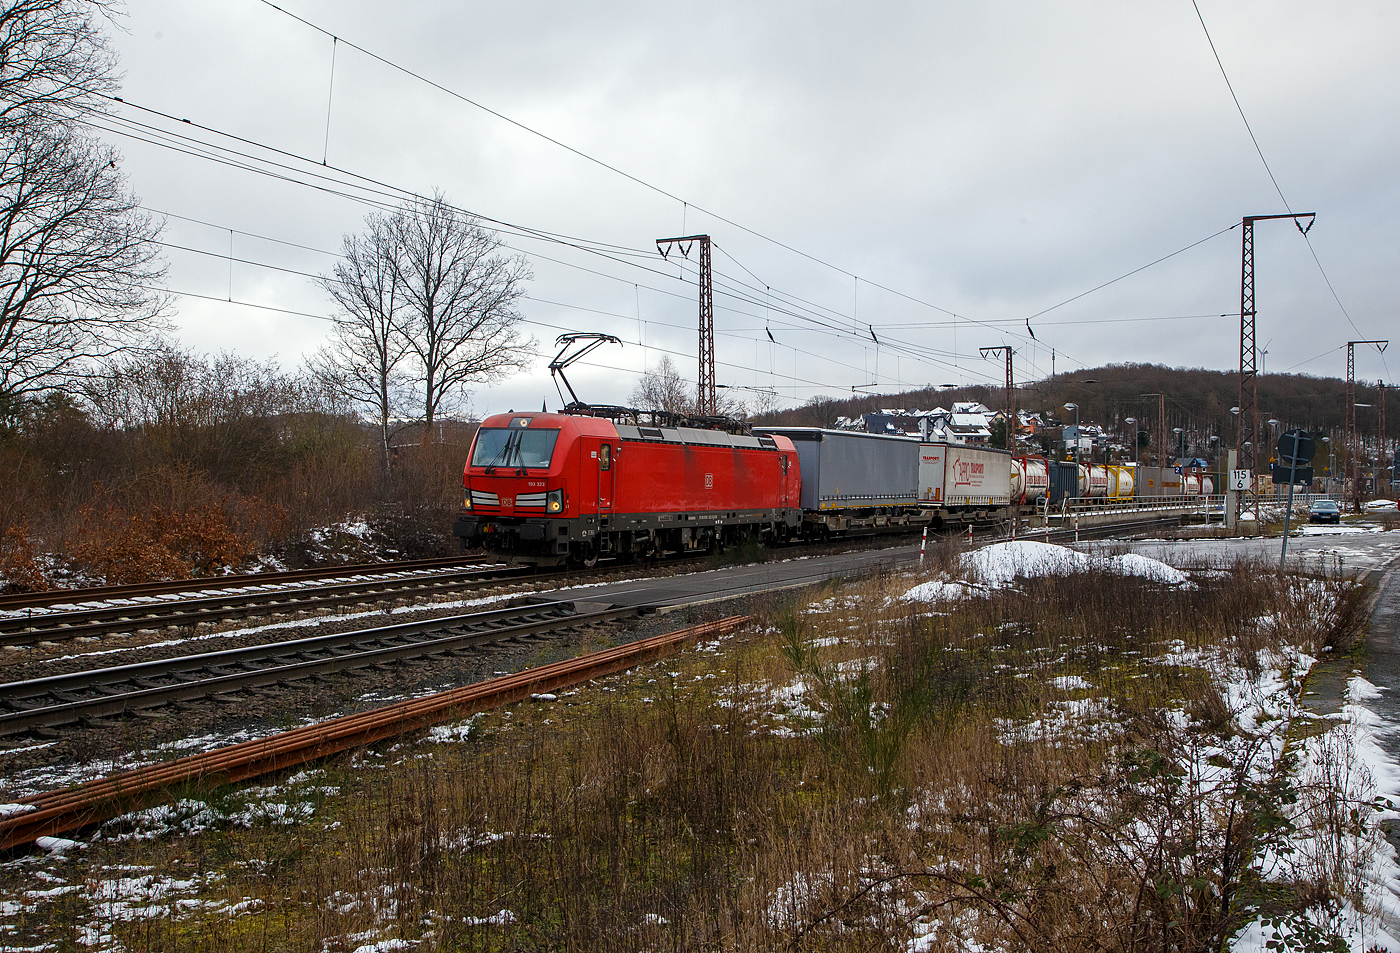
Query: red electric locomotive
pixel 549 488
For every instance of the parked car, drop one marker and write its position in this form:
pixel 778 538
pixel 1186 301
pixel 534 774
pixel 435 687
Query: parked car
pixel 1324 511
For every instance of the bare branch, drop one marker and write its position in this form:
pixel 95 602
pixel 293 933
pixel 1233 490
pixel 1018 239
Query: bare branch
pixel 426 295
pixel 77 253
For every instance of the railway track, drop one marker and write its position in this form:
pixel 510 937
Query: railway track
pixel 58 625
pixel 18 601
pixel 89 697
pixel 294 592
pixel 83 697
pixel 1125 530
pixel 67 810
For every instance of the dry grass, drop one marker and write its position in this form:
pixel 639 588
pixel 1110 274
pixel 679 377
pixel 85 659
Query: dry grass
pixel 1050 768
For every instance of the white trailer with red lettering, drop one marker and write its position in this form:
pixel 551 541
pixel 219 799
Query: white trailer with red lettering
pixel 964 483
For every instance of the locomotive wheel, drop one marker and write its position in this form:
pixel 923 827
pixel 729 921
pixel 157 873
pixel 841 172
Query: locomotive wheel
pixel 590 557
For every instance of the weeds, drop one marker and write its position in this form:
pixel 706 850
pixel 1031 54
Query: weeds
pixel 1079 764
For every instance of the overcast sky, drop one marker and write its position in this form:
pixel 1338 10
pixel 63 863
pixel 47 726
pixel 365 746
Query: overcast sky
pixel 938 171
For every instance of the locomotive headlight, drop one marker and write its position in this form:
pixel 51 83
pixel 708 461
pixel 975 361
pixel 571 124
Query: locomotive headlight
pixel 467 502
pixel 554 501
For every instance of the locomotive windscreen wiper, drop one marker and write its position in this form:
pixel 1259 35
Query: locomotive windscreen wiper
pixel 512 442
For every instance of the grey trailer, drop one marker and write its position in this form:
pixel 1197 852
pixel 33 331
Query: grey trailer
pixel 1158 481
pixel 845 469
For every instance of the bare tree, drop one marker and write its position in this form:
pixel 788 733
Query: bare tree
pixel 460 318
pixel 765 401
pixel 428 299
pixel 365 363
pixel 78 263
pixel 54 61
pixel 663 388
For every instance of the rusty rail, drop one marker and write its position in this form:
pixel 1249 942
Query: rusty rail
pixel 59 812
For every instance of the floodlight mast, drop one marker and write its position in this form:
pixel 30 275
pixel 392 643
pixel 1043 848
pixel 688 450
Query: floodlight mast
pixel 572 347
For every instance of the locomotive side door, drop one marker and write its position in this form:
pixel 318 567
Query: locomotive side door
pixel 605 480
pixel 783 480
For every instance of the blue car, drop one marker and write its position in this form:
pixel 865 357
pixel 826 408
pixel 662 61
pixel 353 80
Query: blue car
pixel 1324 511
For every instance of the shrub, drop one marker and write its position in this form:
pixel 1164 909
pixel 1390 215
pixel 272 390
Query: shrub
pixel 18 562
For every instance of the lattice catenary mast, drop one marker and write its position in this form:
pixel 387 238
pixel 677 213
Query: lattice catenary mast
pixel 1010 391
pixel 1353 437
pixel 705 401
pixel 1247 433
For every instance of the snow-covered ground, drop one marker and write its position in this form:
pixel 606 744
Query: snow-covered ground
pixel 1000 564
pixel 1347 760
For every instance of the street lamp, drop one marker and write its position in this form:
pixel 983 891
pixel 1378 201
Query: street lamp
pixel 1181 445
pixel 1075 407
pixel 1330 454
pixel 1132 424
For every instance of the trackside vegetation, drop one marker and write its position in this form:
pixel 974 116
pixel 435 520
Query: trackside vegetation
pixel 1083 761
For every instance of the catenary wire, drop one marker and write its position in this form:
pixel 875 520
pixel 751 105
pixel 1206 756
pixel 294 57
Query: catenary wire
pixel 1252 138
pixel 916 352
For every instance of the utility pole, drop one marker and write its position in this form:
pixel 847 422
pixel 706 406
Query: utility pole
pixel 1382 473
pixel 1161 440
pixel 1162 429
pixel 1247 434
pixel 705 403
pixel 1010 392
pixel 1353 438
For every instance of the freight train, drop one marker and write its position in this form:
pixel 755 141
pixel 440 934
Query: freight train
pixel 610 482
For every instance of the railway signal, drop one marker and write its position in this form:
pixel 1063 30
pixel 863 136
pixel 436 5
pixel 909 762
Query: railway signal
pixel 1295 448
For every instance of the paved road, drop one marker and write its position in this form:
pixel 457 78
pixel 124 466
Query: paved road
pixel 1352 548
pixel 786 569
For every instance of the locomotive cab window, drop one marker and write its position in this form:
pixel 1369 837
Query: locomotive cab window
pixel 605 457
pixel 514 447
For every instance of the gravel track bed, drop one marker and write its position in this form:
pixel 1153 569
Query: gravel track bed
pixel 42 659
pixel 32 765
